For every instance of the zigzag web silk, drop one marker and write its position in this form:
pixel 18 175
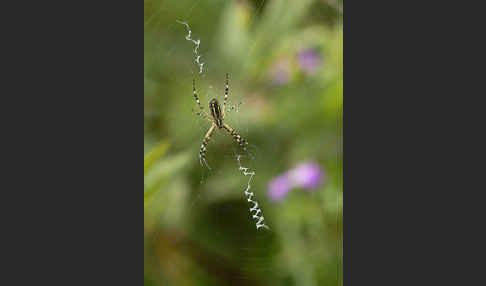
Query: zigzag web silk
pixel 196 43
pixel 254 210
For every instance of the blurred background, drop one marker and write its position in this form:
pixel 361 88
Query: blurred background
pixel 284 59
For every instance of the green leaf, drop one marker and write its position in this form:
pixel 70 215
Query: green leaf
pixel 161 173
pixel 153 155
pixel 150 191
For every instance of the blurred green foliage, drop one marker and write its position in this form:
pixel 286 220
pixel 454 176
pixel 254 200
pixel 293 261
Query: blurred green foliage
pixel 285 64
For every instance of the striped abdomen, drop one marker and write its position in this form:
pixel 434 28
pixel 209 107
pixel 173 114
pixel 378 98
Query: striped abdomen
pixel 216 112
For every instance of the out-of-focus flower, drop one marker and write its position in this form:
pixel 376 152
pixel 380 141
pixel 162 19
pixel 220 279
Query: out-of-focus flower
pixel 279 187
pixel 308 176
pixel 309 60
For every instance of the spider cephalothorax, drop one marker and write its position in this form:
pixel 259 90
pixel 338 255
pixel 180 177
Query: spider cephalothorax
pixel 216 117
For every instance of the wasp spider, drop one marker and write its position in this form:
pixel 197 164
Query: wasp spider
pixel 216 117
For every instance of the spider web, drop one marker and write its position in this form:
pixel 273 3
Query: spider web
pixel 254 210
pixel 197 59
pixel 195 63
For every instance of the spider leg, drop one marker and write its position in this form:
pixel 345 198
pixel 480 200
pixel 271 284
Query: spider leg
pixel 202 115
pixel 197 99
pixel 241 141
pixel 202 151
pixel 225 96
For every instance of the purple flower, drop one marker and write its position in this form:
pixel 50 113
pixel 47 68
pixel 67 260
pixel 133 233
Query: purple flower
pixel 309 60
pixel 308 176
pixel 279 188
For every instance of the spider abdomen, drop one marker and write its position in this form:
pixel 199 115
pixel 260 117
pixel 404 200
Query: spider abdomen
pixel 215 109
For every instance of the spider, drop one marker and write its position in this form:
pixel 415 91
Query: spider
pixel 216 117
